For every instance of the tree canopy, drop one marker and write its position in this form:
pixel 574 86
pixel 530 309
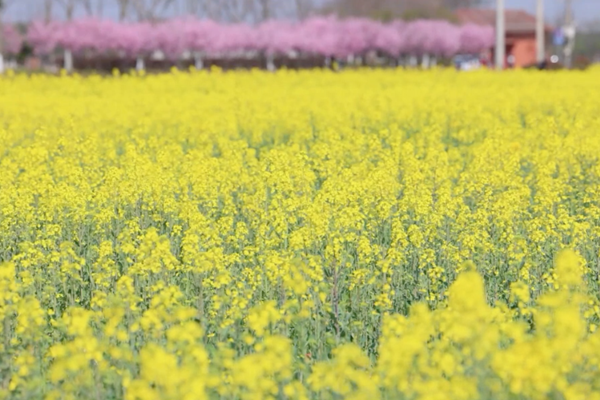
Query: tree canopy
pixel 405 9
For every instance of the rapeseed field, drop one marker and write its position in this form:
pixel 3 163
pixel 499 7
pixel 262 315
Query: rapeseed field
pixel 370 234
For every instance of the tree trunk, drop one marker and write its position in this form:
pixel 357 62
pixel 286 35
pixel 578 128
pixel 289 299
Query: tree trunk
pixel 198 62
pixel 412 61
pixel 425 61
pixel 68 61
pixel 350 60
pixel 270 62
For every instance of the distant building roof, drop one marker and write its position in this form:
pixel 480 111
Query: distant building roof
pixel 517 21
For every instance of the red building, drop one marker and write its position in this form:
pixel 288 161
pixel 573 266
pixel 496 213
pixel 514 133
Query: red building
pixel 520 33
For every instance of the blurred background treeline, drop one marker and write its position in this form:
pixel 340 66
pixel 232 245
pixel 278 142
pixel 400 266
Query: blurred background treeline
pixel 19 13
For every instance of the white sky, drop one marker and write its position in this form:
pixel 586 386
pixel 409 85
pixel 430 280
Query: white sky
pixel 585 10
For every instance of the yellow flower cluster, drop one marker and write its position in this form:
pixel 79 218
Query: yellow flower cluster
pixel 300 235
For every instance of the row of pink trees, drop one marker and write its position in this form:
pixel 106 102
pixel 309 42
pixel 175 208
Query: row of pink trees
pixel 11 43
pixel 322 36
pixel 12 39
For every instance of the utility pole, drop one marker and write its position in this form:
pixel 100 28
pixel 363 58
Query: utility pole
pixel 2 5
pixel 569 30
pixel 540 33
pixel 500 35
